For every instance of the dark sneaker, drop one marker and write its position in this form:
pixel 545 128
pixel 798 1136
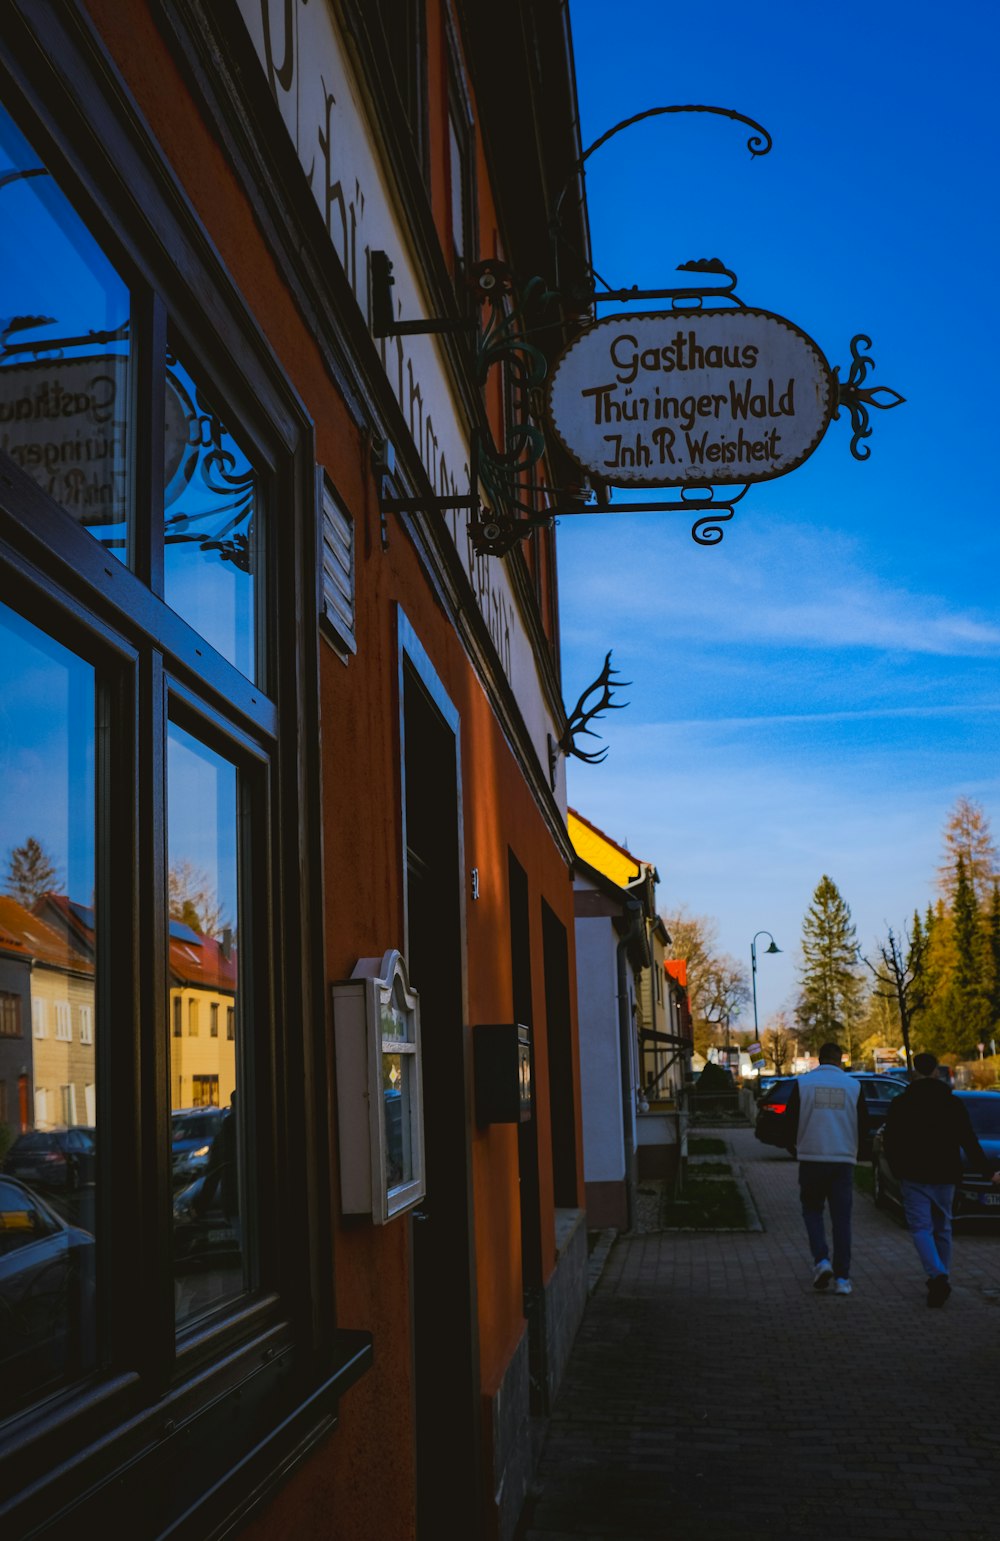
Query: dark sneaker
pixel 822 1275
pixel 938 1289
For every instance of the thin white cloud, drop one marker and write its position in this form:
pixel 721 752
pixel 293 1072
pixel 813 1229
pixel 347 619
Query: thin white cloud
pixel 797 587
pixel 782 719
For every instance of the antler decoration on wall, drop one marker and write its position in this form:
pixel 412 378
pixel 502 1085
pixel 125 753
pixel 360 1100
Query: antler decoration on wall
pixel 581 715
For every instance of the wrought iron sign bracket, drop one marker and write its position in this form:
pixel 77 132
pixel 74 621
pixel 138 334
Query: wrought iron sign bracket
pixel 705 531
pixel 698 293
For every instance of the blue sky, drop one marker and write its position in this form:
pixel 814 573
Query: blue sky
pixel 813 694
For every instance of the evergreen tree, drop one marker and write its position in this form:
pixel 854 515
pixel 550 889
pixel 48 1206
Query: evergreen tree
pixel 968 997
pixel 993 949
pixel 31 872
pixel 830 998
pixel 932 1027
pixel 967 836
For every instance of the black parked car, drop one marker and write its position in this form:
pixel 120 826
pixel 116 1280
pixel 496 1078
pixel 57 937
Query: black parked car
pixel 877 1090
pixel 192 1131
pixel 771 1109
pixel 976 1198
pixel 46 1296
pixel 56 1159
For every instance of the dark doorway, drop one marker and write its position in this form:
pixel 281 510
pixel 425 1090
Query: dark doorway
pixel 444 1327
pixel 527 1139
pixel 559 1038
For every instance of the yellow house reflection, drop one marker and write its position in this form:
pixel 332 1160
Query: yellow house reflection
pixel 202 1011
pixel 55 1017
pixel 48 1056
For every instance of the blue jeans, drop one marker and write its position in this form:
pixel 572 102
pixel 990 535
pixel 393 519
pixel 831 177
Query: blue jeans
pixel 927 1207
pixel 828 1182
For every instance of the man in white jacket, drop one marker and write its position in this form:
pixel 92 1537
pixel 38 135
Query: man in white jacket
pixel 827 1121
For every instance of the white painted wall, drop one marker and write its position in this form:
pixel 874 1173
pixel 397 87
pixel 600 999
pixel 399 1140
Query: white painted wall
pixel 324 110
pixel 600 1062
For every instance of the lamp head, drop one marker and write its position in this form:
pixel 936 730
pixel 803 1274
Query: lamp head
pixel 774 946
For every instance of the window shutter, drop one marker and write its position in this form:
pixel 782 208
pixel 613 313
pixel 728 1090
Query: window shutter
pixel 338 570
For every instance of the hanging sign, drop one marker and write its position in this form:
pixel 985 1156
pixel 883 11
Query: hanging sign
pixel 691 397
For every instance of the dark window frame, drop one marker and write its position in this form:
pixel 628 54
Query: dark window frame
pixel 126 1435
pixel 459 115
pixel 10 1014
pixel 407 59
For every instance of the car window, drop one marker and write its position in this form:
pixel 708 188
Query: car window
pixel 892 1089
pixel 33 1141
pixel 985 1114
pixel 195 1127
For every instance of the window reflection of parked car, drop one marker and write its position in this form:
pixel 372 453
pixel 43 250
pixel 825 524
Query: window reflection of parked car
pixel 46 1297
pixel 203 1232
pixel 192 1131
pixel 53 1158
pixel 976 1198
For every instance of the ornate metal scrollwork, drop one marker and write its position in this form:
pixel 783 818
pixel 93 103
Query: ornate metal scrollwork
pixel 225 526
pixel 707 531
pixel 582 714
pixel 858 401
pixel 502 341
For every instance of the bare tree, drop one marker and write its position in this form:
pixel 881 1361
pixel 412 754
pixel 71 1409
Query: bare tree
pixel 193 899
pixel 778 1041
pixel 898 974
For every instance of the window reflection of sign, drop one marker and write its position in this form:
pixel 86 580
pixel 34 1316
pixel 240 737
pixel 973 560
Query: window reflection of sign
pixel 63 422
pixel 691 397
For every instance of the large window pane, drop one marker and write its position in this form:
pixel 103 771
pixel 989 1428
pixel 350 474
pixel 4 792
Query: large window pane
pixel 211 508
pixel 48 1212
pixel 206 1115
pixel 64 348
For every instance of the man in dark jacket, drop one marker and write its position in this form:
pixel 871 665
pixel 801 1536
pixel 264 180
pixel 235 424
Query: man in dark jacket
pixel 926 1130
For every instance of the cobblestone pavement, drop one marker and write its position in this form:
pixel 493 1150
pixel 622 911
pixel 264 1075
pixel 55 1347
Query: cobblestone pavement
pixel 713 1395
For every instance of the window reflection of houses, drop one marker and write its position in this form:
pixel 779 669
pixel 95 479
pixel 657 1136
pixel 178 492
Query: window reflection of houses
pixel 52 1063
pixel 202 1018
pixel 15 1027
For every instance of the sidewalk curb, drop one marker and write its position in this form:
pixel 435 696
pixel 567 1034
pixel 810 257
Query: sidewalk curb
pixel 598 1258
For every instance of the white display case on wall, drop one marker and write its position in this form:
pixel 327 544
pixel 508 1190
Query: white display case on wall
pixel 376 1028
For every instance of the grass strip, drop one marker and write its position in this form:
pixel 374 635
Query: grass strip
pixel 709 1204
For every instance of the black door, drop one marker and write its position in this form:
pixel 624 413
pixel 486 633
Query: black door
pixel 446 1360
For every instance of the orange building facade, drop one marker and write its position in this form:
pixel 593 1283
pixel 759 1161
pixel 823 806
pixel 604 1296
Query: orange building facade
pixel 286 733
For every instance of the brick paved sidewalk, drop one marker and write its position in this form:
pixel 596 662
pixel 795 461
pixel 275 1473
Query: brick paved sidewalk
pixel 712 1395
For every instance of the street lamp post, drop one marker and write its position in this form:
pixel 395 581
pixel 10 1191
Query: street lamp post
pixel 753 970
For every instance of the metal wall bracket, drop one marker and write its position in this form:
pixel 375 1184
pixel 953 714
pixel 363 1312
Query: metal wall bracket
pixel 384 323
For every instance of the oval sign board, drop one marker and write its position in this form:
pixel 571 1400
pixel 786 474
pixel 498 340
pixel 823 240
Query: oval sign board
pixel 691 397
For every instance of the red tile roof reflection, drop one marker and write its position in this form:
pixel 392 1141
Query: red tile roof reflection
pixel 28 935
pixel 203 962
